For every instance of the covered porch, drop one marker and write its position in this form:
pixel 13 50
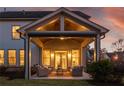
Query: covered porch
pixel 62 54
pixel 60 39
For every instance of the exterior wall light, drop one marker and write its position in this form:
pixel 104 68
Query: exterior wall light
pixel 69 55
pixel 52 55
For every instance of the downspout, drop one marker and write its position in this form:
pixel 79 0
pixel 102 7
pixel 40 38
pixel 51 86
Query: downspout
pixel 24 52
pixel 21 36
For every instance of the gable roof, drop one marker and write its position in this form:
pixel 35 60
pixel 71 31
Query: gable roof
pixel 66 11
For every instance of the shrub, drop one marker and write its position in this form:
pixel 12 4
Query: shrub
pixel 118 72
pixel 101 71
pixel 2 70
pixel 106 71
pixel 14 72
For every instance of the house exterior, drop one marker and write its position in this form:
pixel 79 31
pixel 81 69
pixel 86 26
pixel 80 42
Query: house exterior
pixel 54 39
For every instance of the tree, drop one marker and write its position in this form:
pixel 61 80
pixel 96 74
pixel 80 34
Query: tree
pixel 118 45
pixel 104 50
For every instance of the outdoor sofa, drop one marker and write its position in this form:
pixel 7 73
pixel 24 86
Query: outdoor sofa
pixel 42 71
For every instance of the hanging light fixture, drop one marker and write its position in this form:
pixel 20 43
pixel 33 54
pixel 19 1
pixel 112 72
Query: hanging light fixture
pixel 62 38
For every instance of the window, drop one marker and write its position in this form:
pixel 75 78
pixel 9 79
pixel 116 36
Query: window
pixel 1 57
pixel 75 58
pixel 46 58
pixel 21 57
pixel 12 57
pixel 15 34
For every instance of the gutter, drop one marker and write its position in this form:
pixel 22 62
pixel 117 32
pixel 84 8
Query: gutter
pixel 21 36
pixel 103 36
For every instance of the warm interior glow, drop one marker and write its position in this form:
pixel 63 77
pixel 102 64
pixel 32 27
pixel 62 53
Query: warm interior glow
pixel 61 59
pixel 21 57
pixel 46 58
pixel 75 58
pixel 69 55
pixel 15 34
pixel 64 60
pixel 12 57
pixel 57 60
pixel 52 55
pixel 1 56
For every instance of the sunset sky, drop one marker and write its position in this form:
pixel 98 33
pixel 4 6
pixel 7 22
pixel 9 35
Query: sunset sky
pixel 111 18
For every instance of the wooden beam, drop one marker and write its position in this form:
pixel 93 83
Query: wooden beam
pixel 62 33
pixel 61 23
pixel 86 42
pixel 37 42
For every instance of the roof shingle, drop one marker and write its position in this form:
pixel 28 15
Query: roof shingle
pixel 33 14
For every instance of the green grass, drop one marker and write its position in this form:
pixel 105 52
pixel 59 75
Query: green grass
pixel 44 82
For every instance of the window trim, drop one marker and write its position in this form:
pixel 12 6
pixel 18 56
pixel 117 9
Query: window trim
pixel 12 32
pixel 8 57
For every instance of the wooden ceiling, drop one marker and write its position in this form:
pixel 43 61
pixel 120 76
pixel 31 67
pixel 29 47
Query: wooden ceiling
pixel 69 25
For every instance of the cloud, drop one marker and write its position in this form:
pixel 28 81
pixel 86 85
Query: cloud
pixel 111 18
pixel 115 16
pixel 107 42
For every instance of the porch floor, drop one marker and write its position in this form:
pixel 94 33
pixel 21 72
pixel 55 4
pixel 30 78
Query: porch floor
pixel 67 75
pixel 54 73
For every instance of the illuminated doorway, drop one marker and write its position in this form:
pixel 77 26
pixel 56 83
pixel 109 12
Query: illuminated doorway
pixel 61 59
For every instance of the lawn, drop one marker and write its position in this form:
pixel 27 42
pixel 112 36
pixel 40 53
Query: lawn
pixel 21 82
